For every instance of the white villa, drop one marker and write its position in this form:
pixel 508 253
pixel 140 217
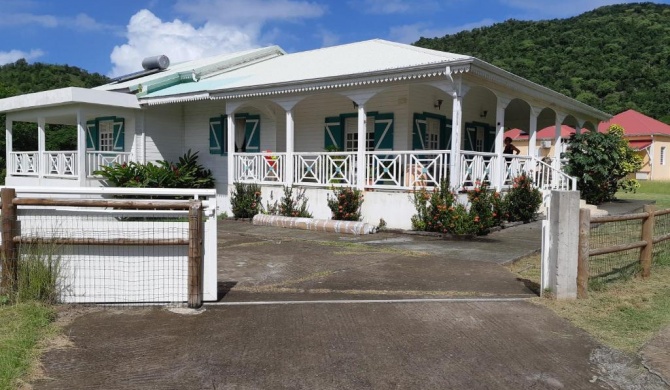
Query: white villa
pixel 377 115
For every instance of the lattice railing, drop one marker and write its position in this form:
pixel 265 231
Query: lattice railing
pixel 259 167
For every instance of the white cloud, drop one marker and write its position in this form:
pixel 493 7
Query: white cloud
pixel 148 35
pixel 14 55
pixel 386 7
pixel 558 9
pixel 248 12
pixel 81 22
pixel 412 32
pixel 19 19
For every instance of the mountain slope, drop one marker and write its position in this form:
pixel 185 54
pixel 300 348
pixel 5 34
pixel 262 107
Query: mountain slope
pixel 613 58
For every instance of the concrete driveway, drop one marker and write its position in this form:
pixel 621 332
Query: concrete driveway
pixel 305 310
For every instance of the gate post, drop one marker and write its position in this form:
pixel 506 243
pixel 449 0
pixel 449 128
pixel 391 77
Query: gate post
pixel 195 263
pixel 9 255
pixel 583 260
pixel 563 244
pixel 648 236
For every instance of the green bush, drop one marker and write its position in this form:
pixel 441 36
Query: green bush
pixel 601 162
pixel 288 206
pixel 245 200
pixel 186 173
pixel 523 200
pixel 345 204
pixel 440 211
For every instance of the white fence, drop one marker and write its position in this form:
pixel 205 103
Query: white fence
pixel 108 255
pixel 61 164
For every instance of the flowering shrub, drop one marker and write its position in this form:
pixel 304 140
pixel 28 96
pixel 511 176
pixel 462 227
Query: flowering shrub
pixel 245 200
pixel 439 211
pixel 288 206
pixel 523 200
pixel 345 204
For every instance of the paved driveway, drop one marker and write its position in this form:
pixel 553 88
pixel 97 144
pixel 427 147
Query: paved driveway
pixel 305 310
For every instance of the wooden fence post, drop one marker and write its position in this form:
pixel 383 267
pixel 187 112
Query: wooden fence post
pixel 9 255
pixel 648 236
pixel 195 261
pixel 583 256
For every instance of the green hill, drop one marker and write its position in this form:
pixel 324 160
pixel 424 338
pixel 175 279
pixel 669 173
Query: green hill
pixel 613 58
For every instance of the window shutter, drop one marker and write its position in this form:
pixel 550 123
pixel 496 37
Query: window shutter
pixel 445 134
pixel 419 132
pixel 333 133
pixel 252 133
pixel 217 135
pixel 119 134
pixel 470 137
pixel 490 139
pixel 92 138
pixel 384 131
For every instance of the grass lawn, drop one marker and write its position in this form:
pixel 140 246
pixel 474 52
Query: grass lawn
pixel 22 327
pixel 650 190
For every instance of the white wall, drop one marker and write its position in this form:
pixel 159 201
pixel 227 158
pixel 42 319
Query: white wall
pixel 163 129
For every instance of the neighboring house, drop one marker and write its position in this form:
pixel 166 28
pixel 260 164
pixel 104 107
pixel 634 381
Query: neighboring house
pixel 381 116
pixel 649 137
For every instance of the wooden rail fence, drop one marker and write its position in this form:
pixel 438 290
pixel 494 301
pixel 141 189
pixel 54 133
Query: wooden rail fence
pixel 645 243
pixel 12 239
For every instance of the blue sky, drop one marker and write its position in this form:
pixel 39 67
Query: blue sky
pixel 112 36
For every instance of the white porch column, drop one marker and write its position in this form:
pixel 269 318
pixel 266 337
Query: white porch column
pixel 456 134
pixel 360 151
pixel 532 133
pixel 81 148
pixel 41 147
pixel 230 125
pixel 558 143
pixel 9 162
pixel 290 148
pixel 500 167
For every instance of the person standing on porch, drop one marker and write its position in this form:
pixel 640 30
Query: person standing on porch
pixel 510 148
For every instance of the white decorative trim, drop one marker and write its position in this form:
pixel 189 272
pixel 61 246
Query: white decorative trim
pixel 174 99
pixel 331 85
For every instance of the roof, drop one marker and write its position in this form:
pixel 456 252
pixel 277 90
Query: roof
pixel 342 61
pixel 546 133
pixel 636 123
pixel 639 144
pixel 66 96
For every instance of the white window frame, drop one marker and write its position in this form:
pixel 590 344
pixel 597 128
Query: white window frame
pixel 106 135
pixel 662 156
pixel 432 141
pixel 351 134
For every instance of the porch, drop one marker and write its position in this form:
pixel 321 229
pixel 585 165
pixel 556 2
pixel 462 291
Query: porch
pixel 395 170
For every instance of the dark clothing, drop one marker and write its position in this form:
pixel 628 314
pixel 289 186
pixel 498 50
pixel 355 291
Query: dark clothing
pixel 509 149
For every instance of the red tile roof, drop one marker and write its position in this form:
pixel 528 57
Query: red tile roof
pixel 636 123
pixel 639 144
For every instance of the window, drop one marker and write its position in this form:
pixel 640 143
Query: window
pixel 351 134
pixel 662 155
pixel 106 136
pixel 432 141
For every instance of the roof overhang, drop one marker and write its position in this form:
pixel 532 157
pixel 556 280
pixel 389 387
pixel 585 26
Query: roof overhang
pixel 65 97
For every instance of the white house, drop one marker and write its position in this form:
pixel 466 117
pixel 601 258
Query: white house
pixel 381 116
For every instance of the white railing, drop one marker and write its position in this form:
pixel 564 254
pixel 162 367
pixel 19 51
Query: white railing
pixel 477 167
pixel 547 177
pixel 515 165
pixel 24 164
pixel 267 168
pixel 60 164
pixel 325 169
pixel 96 160
pixel 406 169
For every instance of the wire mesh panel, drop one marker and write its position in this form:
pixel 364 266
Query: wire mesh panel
pixel 113 256
pixel 610 234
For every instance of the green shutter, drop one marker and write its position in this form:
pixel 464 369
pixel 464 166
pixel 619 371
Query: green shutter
pixel 490 138
pixel 384 131
pixel 217 135
pixel 252 134
pixel 333 133
pixel 119 135
pixel 419 132
pixel 445 134
pixel 92 138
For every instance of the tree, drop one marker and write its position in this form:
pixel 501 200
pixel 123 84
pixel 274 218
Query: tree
pixel 601 163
